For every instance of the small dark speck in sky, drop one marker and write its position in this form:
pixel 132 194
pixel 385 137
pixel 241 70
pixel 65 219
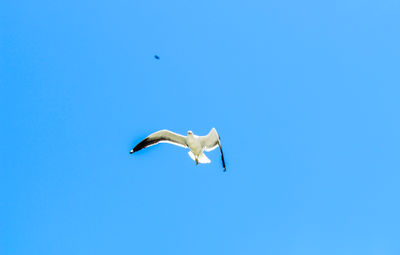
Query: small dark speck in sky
pixel 156 56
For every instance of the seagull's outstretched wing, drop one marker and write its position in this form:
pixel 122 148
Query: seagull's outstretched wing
pixel 211 141
pixel 162 136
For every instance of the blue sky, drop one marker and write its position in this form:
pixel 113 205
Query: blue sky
pixel 304 94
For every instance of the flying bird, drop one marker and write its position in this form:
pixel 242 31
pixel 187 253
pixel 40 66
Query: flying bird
pixel 196 144
pixel 156 57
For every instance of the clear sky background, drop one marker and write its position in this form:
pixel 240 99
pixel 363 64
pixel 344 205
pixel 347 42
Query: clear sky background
pixel 304 94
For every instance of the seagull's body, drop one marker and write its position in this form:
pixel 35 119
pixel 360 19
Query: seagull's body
pixel 196 144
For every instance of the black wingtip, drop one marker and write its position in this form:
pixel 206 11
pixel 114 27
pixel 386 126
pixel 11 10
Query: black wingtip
pixel 131 152
pixel 222 156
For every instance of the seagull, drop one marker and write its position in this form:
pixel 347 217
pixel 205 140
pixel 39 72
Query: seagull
pixel 196 144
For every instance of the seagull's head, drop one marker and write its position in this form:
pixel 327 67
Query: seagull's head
pixel 190 132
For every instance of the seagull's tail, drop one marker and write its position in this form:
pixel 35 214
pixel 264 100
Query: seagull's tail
pixel 191 155
pixel 201 159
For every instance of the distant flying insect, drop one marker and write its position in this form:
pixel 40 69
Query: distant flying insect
pixel 196 144
pixel 156 56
